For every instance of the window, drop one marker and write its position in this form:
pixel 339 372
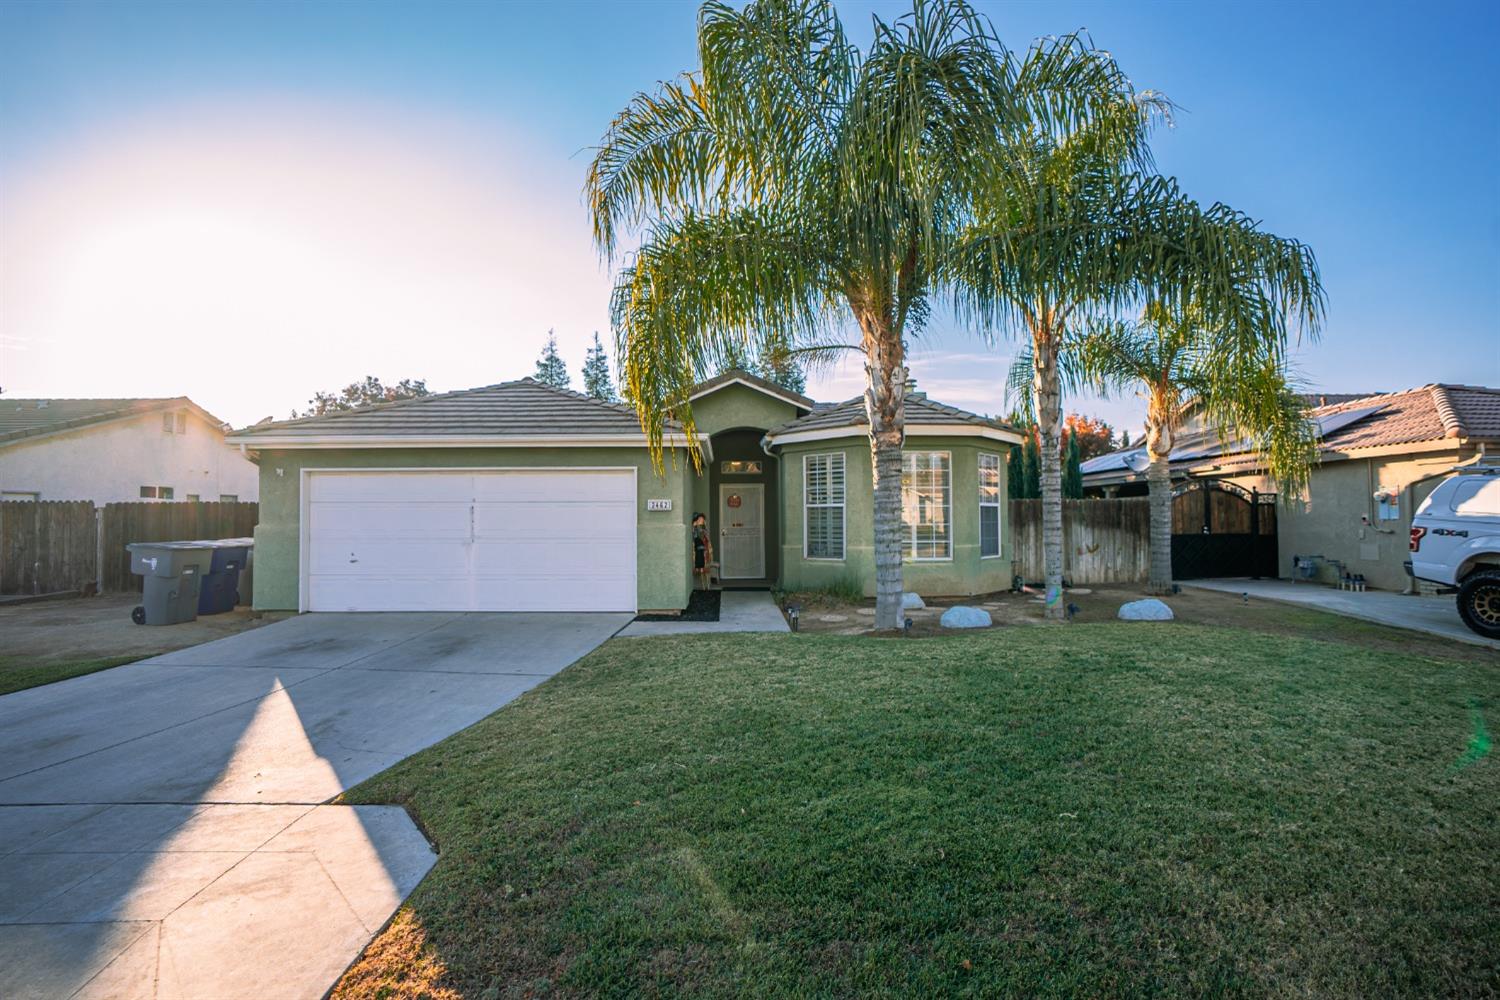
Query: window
pixel 823 506
pixel 229 498
pixel 739 468
pixel 167 423
pixel 20 495
pixel 192 498
pixel 989 505
pixel 181 423
pixel 927 505
pixel 156 492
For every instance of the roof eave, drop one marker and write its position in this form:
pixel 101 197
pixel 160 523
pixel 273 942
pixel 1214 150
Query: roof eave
pixel 985 432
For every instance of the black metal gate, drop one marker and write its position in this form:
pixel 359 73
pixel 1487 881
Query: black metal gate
pixel 1221 529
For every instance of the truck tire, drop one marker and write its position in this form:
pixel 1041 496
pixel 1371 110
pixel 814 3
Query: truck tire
pixel 1479 602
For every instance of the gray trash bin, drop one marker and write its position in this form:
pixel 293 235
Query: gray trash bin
pixel 173 572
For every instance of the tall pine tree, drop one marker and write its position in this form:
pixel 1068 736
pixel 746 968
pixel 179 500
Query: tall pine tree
pixel 1032 481
pixel 1072 480
pixel 1015 474
pixel 550 369
pixel 596 379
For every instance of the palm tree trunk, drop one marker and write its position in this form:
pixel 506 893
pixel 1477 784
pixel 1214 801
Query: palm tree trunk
pixel 885 392
pixel 1047 391
pixel 883 403
pixel 1159 486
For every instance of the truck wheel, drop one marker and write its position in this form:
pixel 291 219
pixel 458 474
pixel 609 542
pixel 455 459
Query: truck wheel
pixel 1479 602
pixel 138 615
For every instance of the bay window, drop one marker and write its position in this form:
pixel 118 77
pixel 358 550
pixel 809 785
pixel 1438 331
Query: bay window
pixel 927 505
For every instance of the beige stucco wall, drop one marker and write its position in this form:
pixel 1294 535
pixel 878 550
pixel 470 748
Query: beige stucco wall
pixel 1325 520
pixel 964 574
pixel 663 553
pixel 109 463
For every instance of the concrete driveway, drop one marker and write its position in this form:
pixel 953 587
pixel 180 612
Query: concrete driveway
pixel 162 831
pixel 1433 615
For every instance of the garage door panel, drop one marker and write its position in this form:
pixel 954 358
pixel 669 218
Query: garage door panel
pixel 383 520
pixel 492 540
pixel 413 593
pixel 553 486
pixel 573 558
pixel 604 522
pixel 402 487
pixel 402 556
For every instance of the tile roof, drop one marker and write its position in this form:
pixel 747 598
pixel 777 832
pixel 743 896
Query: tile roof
pixel 1429 413
pixel 920 411
pixel 523 408
pixel 25 418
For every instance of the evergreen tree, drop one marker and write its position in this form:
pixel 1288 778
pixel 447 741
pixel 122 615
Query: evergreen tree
pixel 550 369
pixel 1072 484
pixel 1015 474
pixel 1124 439
pixel 781 367
pixel 596 380
pixel 1032 482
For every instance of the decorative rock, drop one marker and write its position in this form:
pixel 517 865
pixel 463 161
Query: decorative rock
pixel 1079 590
pixel 1147 610
pixel 833 618
pixel 867 612
pixel 962 617
pixel 910 601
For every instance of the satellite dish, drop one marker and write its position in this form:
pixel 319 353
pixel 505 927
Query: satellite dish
pixel 1137 461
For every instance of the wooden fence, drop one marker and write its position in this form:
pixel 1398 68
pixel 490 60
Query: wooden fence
pixel 1104 541
pixel 55 546
pixel 48 546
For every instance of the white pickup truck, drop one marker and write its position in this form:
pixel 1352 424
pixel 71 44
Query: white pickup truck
pixel 1455 542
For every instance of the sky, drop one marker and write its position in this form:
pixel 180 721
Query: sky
pixel 248 203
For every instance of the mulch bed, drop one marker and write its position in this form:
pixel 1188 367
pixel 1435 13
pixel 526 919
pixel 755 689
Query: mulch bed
pixel 703 606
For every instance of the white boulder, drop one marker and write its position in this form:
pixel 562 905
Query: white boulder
pixel 1146 610
pixel 962 617
pixel 910 601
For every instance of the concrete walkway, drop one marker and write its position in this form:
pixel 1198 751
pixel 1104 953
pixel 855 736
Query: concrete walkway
pixel 163 831
pixel 1435 615
pixel 739 611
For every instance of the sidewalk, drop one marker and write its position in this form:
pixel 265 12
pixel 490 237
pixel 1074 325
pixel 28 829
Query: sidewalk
pixel 739 611
pixel 1434 615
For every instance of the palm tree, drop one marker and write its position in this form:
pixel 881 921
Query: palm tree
pixel 1239 387
pixel 794 183
pixel 1078 228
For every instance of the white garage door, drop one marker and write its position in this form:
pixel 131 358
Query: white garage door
pixel 503 540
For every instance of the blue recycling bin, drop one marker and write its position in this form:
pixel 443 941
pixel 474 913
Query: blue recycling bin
pixel 219 590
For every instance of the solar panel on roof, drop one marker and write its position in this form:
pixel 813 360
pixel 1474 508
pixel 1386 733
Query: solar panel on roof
pixel 1331 422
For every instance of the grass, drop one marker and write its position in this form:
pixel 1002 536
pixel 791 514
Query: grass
pixel 1098 810
pixel 19 673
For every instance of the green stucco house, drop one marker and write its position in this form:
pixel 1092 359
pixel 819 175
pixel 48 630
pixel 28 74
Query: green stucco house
pixel 521 497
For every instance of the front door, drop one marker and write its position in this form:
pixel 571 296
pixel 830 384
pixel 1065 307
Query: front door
pixel 742 520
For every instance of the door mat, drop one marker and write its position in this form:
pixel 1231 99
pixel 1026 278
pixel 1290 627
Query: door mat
pixel 703 606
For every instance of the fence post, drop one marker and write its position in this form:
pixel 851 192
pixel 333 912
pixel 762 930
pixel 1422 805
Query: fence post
pixel 98 550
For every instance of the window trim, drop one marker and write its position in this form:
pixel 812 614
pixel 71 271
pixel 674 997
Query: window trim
pixel 843 506
pixel 948 510
pixel 999 503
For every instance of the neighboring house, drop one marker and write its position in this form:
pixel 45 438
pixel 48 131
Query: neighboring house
pixel 523 497
pixel 1380 455
pixel 113 450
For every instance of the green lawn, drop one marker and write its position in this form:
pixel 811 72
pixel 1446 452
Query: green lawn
pixel 1096 810
pixel 18 673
